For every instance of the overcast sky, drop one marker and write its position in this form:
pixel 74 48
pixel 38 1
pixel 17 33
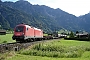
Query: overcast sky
pixel 75 7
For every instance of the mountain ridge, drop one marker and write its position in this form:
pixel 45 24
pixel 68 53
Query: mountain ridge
pixel 47 18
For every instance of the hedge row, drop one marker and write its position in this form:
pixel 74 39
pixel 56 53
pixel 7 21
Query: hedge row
pixel 79 39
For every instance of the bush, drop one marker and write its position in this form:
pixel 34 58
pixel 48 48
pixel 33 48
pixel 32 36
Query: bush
pixel 49 48
pixel 4 42
pixel 2 57
pixel 52 49
pixel 87 48
pixel 7 54
pixel 52 54
pixel 55 51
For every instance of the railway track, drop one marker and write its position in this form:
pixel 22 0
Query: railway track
pixel 18 46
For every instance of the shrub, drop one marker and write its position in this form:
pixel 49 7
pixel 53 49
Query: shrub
pixel 87 48
pixel 49 48
pixel 55 51
pixel 4 42
pixel 2 57
pixel 52 50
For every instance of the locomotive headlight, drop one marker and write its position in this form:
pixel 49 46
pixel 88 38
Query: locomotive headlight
pixel 23 33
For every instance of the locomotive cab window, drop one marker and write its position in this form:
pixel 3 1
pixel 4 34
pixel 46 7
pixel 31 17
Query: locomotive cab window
pixel 27 29
pixel 19 28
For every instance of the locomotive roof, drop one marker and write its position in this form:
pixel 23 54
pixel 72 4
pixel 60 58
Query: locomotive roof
pixel 29 26
pixel 33 27
pixel 37 29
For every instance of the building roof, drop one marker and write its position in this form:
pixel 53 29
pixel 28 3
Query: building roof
pixel 1 30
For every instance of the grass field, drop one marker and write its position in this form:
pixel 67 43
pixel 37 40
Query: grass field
pixel 50 50
pixel 6 38
pixel 55 50
pixel 27 57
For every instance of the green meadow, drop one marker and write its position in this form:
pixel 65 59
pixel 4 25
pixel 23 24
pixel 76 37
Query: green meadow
pixel 6 38
pixel 52 50
pixel 55 50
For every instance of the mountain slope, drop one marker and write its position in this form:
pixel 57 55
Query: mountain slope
pixel 54 17
pixel 84 22
pixel 42 16
pixel 10 17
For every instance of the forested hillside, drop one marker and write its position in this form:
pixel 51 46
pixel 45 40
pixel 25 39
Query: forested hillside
pixel 10 17
pixel 41 16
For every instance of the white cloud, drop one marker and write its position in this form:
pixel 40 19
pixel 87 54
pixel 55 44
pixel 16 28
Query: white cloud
pixel 76 7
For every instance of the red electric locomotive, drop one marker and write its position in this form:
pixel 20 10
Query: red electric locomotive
pixel 23 32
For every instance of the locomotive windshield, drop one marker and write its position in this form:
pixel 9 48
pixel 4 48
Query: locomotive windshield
pixel 19 29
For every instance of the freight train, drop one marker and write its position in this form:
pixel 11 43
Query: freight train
pixel 23 32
